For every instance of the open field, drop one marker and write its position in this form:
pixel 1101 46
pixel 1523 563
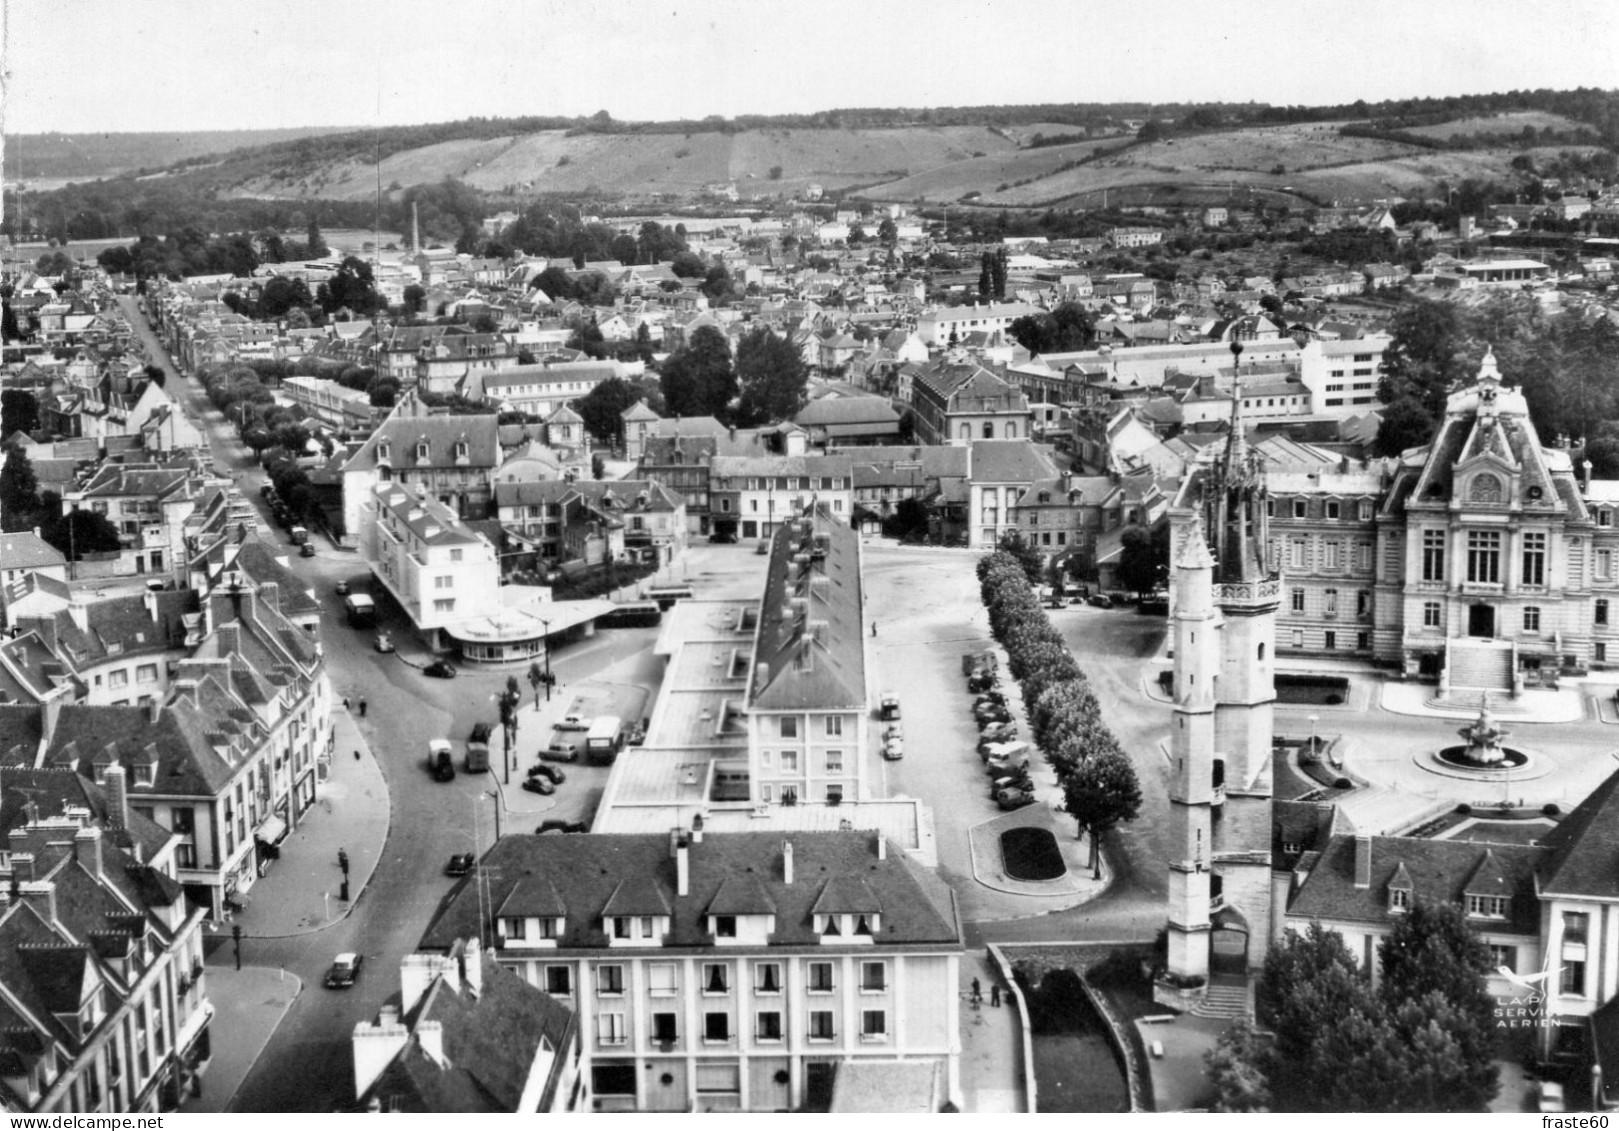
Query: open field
pixel 985 174
pixel 1508 124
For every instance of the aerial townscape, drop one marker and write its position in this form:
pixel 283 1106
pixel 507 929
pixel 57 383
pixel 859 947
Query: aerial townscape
pixel 1063 606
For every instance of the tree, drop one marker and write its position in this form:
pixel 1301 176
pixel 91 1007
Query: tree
pixel 281 295
pixel 351 286
pixel 1102 793
pixel 19 491
pixel 1406 423
pixel 717 283
pixel 1426 356
pixel 317 246
pixel 857 235
pixel 688 265
pixel 414 298
pixel 80 532
pixel 772 375
pixel 698 379
pixel 888 232
pixel 604 406
pixel 9 330
pixel 19 412
pixel 1144 558
pixel 1236 1069
pixel 1027 555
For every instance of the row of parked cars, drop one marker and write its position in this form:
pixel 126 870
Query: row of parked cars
pixel 283 517
pixel 1006 760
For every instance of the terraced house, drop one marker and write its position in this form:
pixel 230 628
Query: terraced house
pixel 102 981
pixel 726 971
pixel 450 458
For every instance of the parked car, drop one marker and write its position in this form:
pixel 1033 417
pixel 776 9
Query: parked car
pixel 1014 798
pixel 637 735
pixel 345 971
pixel 385 642
pixel 988 750
pixel 989 716
pixel 555 826
pixel 1001 765
pixel 573 722
pixel 999 732
pixel 1549 1097
pixel 763 547
pixel 722 538
pixel 1100 601
pixel 894 748
pixel 996 697
pixel 560 752
pixel 1011 781
pixel 893 730
pixel 307 550
pixel 550 773
pixel 890 705
pixel 539 785
pixel 982 681
pixel 440 669
pixel 460 864
pixel 266 490
pixel 342 589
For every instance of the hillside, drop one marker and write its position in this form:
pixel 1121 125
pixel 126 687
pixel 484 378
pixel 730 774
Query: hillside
pixel 60 157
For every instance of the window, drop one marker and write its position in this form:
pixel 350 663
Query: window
pixel 1602 610
pixel 1333 553
pixel 1333 510
pixel 834 761
pixel 1531 619
pixel 989 430
pixel 610 1028
pixel 789 761
pixel 820 977
pixel 820 1025
pixel 442 581
pixel 716 978
pixel 1604 518
pixel 767 978
pixel 725 926
pixel 1604 564
pixel 456 555
pixel 1599 653
pixel 1576 927
pixel 1298 638
pixel 444 606
pixel 768 1026
pixel 184 820
pixel 1295 553
pixel 1399 899
pixel 1534 559
pixel 609 980
pixel 1433 555
pixel 621 927
pixel 559 980
pixel 1300 508
pixel 1573 979
pixel 1506 956
pixel 1487 906
pixel 716 1026
pixel 789 726
pixel 1363 603
pixel 1329 602
pixel 146 673
pixel 118 679
pixel 834 795
pixel 873 1025
pixel 1298 600
pixel 834 726
pixel 665 1029
pixel 874 976
pixel 660 979
pixel 1330 643
pixel 514 928
pixel 1431 614
pixel 1364 511
pixel 1484 556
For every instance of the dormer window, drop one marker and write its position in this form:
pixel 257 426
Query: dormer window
pixel 1399 900
pixel 461 451
pixel 1487 906
pixel 723 926
pixel 829 927
pixel 384 452
pixel 423 451
pixel 865 925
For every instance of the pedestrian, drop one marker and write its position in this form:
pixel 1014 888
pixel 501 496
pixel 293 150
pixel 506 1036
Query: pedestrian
pixel 362 708
pixel 356 755
pixel 874 628
pixel 978 991
pixel 995 996
pixel 343 860
pixel 345 702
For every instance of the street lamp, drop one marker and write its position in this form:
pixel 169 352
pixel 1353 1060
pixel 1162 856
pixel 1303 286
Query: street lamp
pixel 1313 720
pixel 548 680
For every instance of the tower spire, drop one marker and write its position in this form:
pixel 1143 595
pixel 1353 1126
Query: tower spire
pixel 1236 446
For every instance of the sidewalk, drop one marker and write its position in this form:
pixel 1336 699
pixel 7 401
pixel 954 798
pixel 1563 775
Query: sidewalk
pixel 300 893
pixel 248 1005
pixel 991 1043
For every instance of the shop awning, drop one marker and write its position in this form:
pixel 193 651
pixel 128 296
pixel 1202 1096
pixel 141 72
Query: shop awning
pixel 272 831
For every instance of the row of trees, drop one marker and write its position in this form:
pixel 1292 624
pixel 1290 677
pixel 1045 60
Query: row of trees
pixel 189 251
pixel 1099 783
pixel 767 379
pixel 1422 1040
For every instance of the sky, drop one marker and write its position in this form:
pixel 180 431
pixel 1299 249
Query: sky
pixel 166 65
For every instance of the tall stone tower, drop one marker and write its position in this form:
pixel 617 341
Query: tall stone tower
pixel 1227 590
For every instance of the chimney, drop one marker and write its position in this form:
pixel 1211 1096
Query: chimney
pixel 154 712
pixel 418 971
pixel 882 847
pixel 682 866
pixel 787 862
pixel 697 829
pixel 430 1036
pixel 472 968
pixel 1363 862
pixel 117 796
pixel 41 896
pixel 87 850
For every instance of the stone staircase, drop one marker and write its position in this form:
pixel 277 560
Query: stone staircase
pixel 1479 666
pixel 1225 998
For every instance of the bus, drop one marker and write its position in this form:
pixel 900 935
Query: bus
pixel 631 614
pixel 667 595
pixel 604 740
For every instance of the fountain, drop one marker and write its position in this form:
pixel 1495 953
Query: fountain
pixel 1483 750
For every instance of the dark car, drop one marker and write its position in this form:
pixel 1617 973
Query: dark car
pixel 722 538
pixel 637 735
pixel 342 589
pixel 988 716
pixel 266 490
pixel 307 550
pixel 550 773
pixel 1100 601
pixel 990 699
pixel 539 785
pixel 1014 798
pixel 440 669
pixel 345 971
pixel 460 864
pixel 555 826
pixel 981 681
pixel 998 732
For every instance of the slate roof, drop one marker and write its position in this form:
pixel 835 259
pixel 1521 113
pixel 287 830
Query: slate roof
pixel 403 432
pixel 1009 461
pixel 810 653
pixel 27 550
pixel 1438 870
pixel 586 869
pixel 1583 850
pixel 843 413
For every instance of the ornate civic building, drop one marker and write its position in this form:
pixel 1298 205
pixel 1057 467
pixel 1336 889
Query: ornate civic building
pixel 1482 559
